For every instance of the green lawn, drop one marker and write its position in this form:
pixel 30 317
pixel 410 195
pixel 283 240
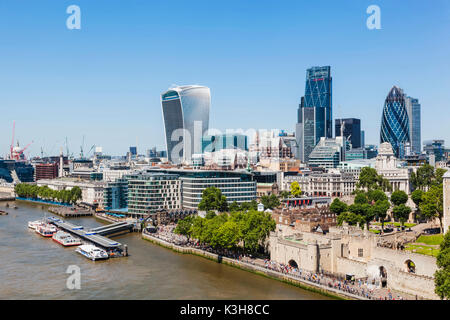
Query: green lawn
pixel 434 239
pixel 375 231
pixel 422 249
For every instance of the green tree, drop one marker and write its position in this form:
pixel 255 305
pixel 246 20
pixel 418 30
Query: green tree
pixel 234 206
pixel 432 204
pixel 401 213
pixel 442 275
pixel 376 195
pixel 369 179
pixel 270 202
pixel 416 197
pixel 184 226
pixel 284 194
pixel 399 197
pixel 337 206
pixel 75 194
pixel 212 199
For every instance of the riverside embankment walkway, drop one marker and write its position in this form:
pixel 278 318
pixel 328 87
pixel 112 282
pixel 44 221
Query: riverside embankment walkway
pixel 297 281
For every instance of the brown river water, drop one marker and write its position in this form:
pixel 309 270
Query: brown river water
pixel 33 267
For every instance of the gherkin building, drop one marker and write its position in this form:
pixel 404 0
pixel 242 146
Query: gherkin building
pixel 395 122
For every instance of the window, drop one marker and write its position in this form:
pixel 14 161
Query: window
pixel 360 252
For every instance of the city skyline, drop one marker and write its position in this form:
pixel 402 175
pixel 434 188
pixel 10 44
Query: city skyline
pixel 57 82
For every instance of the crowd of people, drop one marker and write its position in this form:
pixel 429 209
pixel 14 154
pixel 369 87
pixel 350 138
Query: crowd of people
pixel 360 287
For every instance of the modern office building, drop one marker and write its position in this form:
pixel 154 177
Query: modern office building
pixel 238 186
pixel 115 194
pixel 150 192
pixel 351 129
pixel 395 122
pixel 413 110
pixel 213 143
pixel 186 118
pixel 363 138
pixel 328 153
pixel 133 151
pixel 315 111
pixel 434 147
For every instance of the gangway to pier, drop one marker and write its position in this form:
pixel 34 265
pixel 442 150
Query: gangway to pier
pixel 113 228
pixel 88 235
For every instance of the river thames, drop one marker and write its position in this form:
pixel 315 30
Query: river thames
pixel 33 267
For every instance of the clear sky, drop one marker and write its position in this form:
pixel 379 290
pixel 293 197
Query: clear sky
pixel 104 81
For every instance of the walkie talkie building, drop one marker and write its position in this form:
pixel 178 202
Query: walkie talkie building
pixel 395 122
pixel 186 118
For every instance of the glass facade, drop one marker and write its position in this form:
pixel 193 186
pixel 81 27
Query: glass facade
pixel 235 186
pixel 315 110
pixel 395 122
pixel 185 107
pixel 213 143
pixel 150 192
pixel 351 130
pixel 413 110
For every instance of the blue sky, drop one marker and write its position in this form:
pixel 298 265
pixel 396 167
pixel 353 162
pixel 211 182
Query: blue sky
pixel 104 81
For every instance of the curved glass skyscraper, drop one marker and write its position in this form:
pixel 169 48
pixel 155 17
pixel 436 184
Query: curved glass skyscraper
pixel 395 122
pixel 186 118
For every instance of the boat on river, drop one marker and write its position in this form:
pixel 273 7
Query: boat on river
pixel 65 239
pixel 34 224
pixel 92 252
pixel 46 230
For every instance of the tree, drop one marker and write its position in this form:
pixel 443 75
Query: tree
pixel 399 197
pixel 416 197
pixel 284 194
pixel 442 275
pixel 361 198
pixel 270 202
pixel 234 206
pixel 75 194
pixel 349 217
pixel 184 226
pixel 380 209
pixel 295 189
pixel 439 174
pixel 337 206
pixel 432 204
pixel 423 178
pixel 401 213
pixel 369 179
pixel 212 199
pixel 376 195
pixel 226 236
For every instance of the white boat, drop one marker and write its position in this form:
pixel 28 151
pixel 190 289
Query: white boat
pixel 92 252
pixel 34 224
pixel 65 239
pixel 46 230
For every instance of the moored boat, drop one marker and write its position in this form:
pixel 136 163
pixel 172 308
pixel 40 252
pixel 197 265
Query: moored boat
pixel 92 252
pixel 34 224
pixel 65 239
pixel 46 230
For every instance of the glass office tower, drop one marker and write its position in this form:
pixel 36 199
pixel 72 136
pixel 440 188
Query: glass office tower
pixel 315 111
pixel 413 110
pixel 351 130
pixel 395 122
pixel 186 118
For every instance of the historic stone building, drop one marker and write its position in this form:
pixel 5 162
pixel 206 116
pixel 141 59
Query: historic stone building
pixel 387 165
pixel 351 251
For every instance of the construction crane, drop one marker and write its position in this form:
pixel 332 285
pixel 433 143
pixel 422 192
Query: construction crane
pixel 16 152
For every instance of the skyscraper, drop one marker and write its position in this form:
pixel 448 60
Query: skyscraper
pixel 395 122
pixel 413 110
pixel 351 130
pixel 186 118
pixel 315 111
